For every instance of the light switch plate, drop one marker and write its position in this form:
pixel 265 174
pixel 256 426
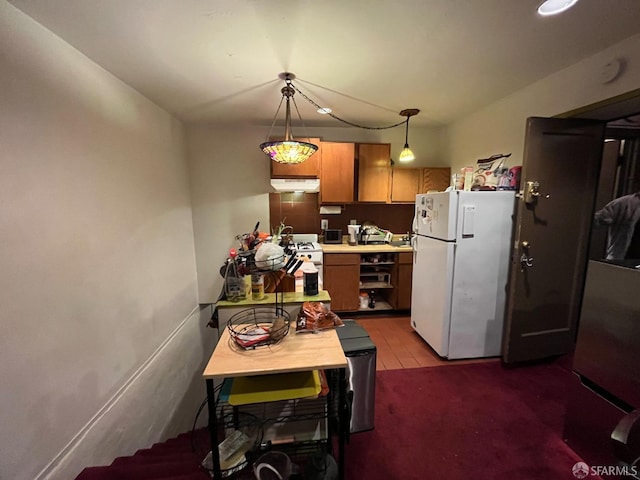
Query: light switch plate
pixel 324 224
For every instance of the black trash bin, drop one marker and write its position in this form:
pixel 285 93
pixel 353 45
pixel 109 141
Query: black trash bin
pixel 361 374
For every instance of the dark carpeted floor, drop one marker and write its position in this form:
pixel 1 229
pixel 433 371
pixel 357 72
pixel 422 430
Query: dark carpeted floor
pixel 455 422
pixel 462 422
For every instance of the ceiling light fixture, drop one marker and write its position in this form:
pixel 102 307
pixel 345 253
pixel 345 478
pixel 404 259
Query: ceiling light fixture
pixel 407 155
pixel 553 7
pixel 292 151
pixel 287 150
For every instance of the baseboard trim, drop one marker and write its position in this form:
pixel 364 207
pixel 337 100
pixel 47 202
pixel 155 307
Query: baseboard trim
pixel 106 408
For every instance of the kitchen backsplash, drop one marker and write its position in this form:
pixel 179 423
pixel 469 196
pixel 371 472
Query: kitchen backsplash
pixel 302 212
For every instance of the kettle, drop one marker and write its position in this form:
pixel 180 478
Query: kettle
pixel 353 230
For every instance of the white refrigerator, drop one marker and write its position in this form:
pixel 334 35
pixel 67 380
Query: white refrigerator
pixel 461 254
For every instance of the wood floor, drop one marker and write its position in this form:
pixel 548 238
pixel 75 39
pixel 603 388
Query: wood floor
pixel 399 346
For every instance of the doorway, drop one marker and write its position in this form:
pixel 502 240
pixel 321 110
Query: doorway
pixel 557 142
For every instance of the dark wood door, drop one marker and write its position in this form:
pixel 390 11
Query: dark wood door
pixel 552 236
pixel 341 278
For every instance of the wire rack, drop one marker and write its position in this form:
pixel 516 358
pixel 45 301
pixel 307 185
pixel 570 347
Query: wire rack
pixel 259 326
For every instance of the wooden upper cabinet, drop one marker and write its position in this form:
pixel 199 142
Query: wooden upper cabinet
pixel 437 179
pixel 374 172
pixel 309 168
pixel 405 184
pixel 337 172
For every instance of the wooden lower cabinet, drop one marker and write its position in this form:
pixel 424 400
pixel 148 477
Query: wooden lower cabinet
pixel 341 278
pixel 403 273
pixel 343 272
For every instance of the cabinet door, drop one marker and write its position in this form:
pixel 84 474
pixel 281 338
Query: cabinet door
pixel 341 278
pixel 404 287
pixel 437 179
pixel 405 184
pixel 374 172
pixel 308 169
pixel 337 172
pixel 401 297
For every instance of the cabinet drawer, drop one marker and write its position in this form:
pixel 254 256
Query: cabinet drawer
pixel 341 259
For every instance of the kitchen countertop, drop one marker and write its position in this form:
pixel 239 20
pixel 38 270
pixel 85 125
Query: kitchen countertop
pixel 346 248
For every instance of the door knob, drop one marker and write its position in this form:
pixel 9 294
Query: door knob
pixel 526 261
pixel 531 192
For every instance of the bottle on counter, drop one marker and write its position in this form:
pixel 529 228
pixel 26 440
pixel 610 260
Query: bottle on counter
pixel 372 299
pixel 310 278
pixel 234 284
pixel 257 287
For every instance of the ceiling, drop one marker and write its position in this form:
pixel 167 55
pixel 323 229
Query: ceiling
pixel 219 60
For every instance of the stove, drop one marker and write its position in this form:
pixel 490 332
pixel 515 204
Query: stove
pixel 306 245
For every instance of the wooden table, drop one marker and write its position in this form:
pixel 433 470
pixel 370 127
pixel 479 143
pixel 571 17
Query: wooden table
pixel 295 353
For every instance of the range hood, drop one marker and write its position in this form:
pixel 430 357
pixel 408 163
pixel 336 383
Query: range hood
pixel 307 185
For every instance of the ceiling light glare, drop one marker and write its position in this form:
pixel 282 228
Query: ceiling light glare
pixel 324 110
pixel 553 7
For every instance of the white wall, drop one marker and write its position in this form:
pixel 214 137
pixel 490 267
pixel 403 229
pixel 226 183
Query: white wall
pixel 500 127
pixel 97 268
pixel 230 183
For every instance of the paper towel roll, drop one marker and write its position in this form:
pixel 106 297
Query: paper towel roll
pixel 330 210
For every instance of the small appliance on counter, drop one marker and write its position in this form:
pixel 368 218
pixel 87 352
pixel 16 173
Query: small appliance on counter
pixel 332 235
pixel 354 231
pixel 370 234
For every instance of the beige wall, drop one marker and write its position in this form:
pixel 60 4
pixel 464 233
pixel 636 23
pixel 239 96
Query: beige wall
pixel 500 127
pixel 97 265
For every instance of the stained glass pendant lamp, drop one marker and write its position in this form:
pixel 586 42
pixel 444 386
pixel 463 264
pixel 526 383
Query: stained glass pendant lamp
pixel 288 150
pixel 407 155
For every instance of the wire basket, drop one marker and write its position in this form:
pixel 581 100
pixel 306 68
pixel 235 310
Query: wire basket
pixel 251 265
pixel 259 326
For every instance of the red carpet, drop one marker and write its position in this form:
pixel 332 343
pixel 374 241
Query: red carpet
pixel 463 422
pixel 458 422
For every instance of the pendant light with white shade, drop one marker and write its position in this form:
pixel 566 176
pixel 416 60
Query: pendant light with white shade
pixel 407 155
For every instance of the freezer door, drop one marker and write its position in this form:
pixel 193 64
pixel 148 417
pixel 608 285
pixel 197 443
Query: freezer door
pixel 431 294
pixel 436 215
